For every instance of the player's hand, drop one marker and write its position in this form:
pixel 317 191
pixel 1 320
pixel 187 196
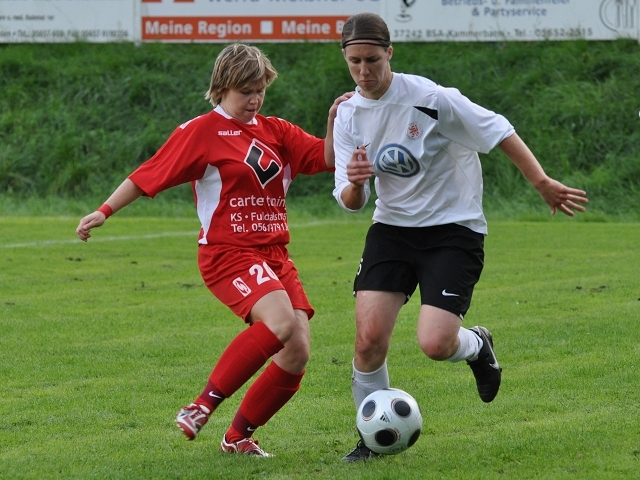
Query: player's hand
pixel 95 219
pixel 333 111
pixel 359 169
pixel 561 197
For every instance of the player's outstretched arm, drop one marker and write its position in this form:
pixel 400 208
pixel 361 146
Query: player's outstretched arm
pixel 557 195
pixel 126 193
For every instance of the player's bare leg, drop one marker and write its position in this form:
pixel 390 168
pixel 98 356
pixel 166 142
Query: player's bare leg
pixel 294 356
pixel 376 314
pixel 442 337
pixel 438 332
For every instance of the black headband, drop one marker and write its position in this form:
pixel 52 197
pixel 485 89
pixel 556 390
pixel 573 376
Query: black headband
pixel 366 41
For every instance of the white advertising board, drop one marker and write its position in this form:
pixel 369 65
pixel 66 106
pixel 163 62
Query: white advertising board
pixel 313 20
pixel 43 21
pixel 500 20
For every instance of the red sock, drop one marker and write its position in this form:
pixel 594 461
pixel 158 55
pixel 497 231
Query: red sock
pixel 244 356
pixel 210 397
pixel 233 435
pixel 268 394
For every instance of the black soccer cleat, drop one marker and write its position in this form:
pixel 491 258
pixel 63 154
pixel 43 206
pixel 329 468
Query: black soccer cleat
pixel 361 453
pixel 486 369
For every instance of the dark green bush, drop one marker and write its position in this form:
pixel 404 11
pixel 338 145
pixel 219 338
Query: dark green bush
pixel 75 119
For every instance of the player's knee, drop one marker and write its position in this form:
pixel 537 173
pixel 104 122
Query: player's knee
pixel 294 359
pixel 301 353
pixel 282 325
pixel 288 324
pixel 295 355
pixel 371 350
pixel 435 348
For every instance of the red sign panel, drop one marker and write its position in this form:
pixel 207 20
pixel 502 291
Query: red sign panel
pixel 223 29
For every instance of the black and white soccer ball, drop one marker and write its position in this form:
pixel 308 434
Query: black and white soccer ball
pixel 389 421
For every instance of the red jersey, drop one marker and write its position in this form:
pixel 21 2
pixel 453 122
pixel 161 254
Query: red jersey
pixel 240 174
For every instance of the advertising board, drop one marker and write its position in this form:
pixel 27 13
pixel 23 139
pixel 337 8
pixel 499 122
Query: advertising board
pixel 43 21
pixel 508 20
pixel 313 20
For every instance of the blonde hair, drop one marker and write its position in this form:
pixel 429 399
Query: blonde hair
pixel 238 66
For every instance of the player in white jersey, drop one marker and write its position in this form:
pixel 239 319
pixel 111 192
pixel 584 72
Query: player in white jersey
pixel 421 142
pixel 240 165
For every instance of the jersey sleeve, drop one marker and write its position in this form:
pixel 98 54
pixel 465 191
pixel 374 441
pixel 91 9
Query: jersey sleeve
pixel 469 124
pixel 343 146
pixel 304 152
pixel 181 159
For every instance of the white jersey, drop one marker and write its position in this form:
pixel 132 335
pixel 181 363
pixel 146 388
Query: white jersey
pixel 423 140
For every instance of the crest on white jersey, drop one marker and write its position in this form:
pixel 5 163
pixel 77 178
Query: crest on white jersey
pixel 414 131
pixel 396 160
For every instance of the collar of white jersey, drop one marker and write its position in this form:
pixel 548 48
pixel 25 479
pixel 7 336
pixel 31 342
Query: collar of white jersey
pixel 384 98
pixel 221 111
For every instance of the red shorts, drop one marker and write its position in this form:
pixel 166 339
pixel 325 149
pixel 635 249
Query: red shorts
pixel 239 276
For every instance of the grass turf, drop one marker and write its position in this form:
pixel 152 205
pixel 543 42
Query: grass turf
pixel 103 342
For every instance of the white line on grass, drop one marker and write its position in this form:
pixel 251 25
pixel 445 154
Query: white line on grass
pixel 45 243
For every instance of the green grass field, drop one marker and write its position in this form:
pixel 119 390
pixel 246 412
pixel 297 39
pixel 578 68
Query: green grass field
pixel 101 344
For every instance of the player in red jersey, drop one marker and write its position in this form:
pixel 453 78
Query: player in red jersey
pixel 240 165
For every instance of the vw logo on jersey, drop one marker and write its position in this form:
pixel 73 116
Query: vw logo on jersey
pixel 396 160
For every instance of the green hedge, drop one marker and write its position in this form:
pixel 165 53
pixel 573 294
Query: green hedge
pixel 75 119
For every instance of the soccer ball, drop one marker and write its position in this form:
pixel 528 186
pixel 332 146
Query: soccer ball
pixel 389 421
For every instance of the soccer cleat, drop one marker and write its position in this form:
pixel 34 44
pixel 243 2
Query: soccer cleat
pixel 246 446
pixel 192 418
pixel 361 453
pixel 486 368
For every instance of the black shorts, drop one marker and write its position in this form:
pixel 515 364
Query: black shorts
pixel 445 260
